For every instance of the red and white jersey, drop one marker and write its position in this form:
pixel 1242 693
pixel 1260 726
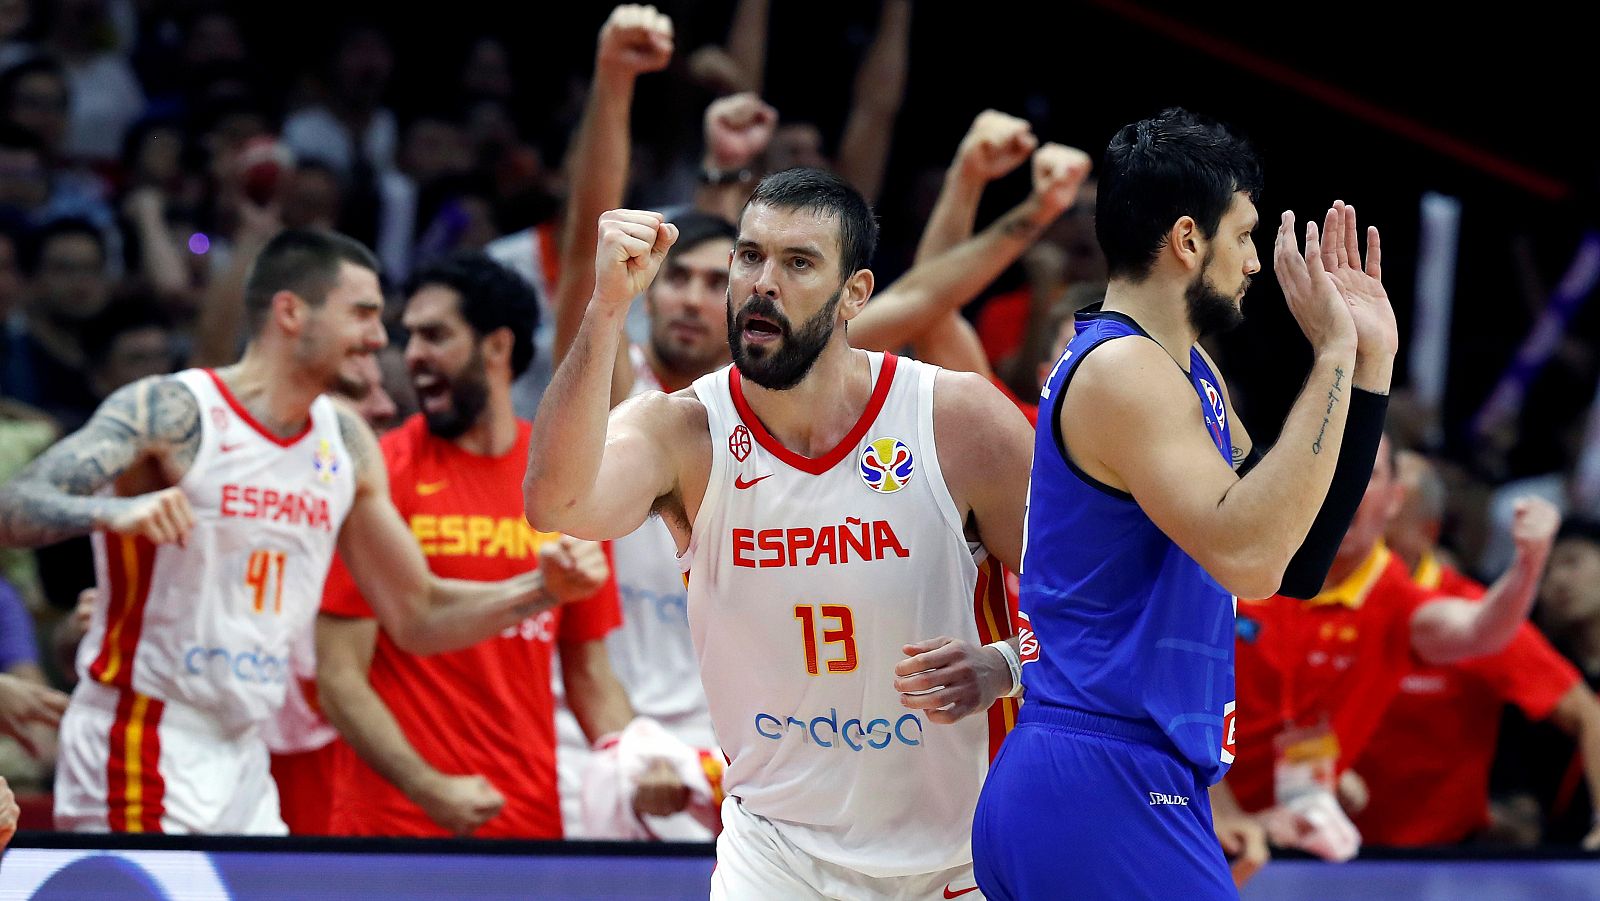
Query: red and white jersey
pixel 209 623
pixel 806 578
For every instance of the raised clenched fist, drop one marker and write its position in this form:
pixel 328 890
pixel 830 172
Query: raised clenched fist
pixel 994 145
pixel 1058 173
pixel 738 129
pixel 635 39
pixel 631 246
pixel 163 516
pixel 1534 524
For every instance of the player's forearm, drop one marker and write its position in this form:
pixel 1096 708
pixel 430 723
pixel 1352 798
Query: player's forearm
pixel 954 215
pixel 158 253
pixel 1267 514
pixel 34 512
pixel 1450 629
pixel 222 311
pixel 942 285
pixel 598 701
pixel 597 169
pixel 460 613
pixel 1374 371
pixel 569 431
pixel 879 90
pixel 747 41
pixel 365 721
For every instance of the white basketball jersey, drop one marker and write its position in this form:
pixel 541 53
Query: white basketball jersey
pixel 652 652
pixel 209 623
pixel 806 578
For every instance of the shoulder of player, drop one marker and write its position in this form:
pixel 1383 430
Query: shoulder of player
pixel 158 409
pixel 1129 375
pixel 968 401
pixel 1222 383
pixel 359 442
pixel 674 416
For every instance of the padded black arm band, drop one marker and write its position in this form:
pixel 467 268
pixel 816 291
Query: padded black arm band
pixel 1362 431
pixel 1249 462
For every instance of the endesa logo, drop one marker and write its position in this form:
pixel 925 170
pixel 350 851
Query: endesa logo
pixel 851 734
pixel 252 666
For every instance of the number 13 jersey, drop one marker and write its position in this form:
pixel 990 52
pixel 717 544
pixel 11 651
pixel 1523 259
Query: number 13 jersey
pixel 806 578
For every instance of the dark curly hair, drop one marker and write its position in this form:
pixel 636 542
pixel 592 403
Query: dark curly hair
pixel 491 297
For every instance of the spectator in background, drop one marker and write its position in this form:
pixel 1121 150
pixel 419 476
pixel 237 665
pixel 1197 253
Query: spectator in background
pixel 35 96
pixel 351 128
pixel 13 49
pixel 19 658
pixel 1426 769
pixel 129 341
pixel 68 286
pixel 106 97
pixel 1542 770
pixel 1314 677
pixel 11 284
pixel 461 743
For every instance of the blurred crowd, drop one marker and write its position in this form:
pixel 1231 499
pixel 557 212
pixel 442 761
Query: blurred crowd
pixel 144 162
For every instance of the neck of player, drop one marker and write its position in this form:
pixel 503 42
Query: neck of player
pixel 1159 306
pixel 276 391
pixel 814 416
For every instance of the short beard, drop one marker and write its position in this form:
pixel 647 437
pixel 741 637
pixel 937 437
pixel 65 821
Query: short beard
pixel 469 395
pixel 1210 311
pixel 785 367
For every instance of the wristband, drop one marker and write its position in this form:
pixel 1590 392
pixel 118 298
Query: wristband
pixel 1012 661
pixel 710 175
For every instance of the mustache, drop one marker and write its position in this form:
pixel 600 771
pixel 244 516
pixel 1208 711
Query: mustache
pixel 763 306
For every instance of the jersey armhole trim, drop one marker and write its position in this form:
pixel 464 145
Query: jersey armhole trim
pixel 926 386
pixel 716 477
pixel 1055 425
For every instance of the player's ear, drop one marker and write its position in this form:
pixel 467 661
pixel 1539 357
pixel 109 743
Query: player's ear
pixel 1186 242
pixel 856 292
pixel 497 346
pixel 289 310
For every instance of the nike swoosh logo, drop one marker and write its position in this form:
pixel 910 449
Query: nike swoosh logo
pixel 230 447
pixel 741 484
pixel 950 894
pixel 425 489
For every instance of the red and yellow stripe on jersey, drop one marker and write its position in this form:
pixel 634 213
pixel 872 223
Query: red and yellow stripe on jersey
pixel 129 563
pixel 136 792
pixel 995 613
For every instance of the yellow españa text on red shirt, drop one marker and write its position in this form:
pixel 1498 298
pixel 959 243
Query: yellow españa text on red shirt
pixel 476 535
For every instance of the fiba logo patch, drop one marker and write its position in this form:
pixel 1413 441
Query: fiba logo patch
pixel 1216 410
pixel 739 443
pixel 325 463
pixel 886 465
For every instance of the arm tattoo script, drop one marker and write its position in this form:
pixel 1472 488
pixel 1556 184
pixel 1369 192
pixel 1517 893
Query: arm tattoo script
pixel 1333 398
pixel 53 498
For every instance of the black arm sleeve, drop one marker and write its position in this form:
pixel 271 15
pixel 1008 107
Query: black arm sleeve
pixel 1363 429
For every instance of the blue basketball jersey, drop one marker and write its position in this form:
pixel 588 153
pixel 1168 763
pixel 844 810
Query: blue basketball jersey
pixel 1129 626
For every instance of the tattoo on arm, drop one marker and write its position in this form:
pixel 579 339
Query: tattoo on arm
pixel 1333 398
pixel 1238 456
pixel 362 446
pixel 54 497
pixel 1021 227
